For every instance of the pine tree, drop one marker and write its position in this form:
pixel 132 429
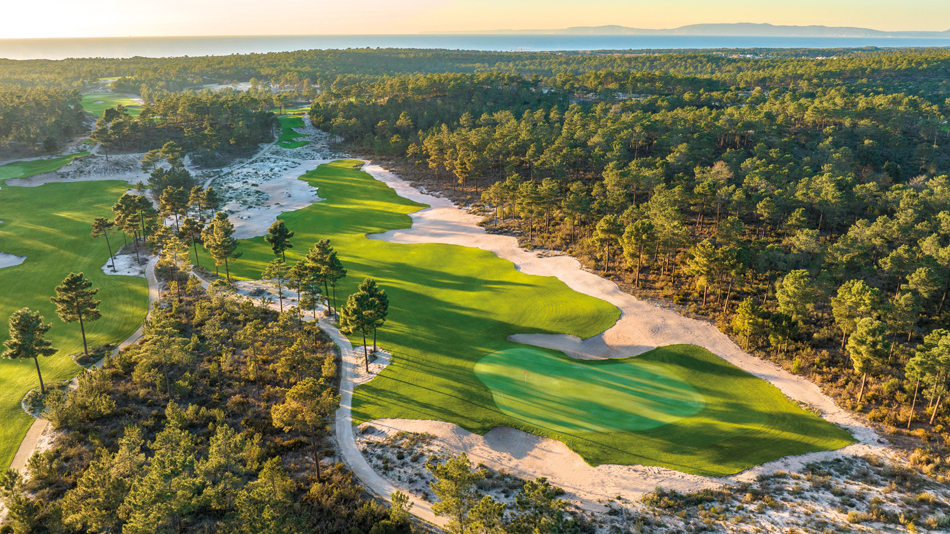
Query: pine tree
pixel 191 230
pixel 357 316
pixel 275 273
pixel 307 408
pixel 278 236
pixel 455 486
pixel 74 302
pixel 28 339
pixel 796 295
pixel 637 237
pixel 748 320
pixel 607 235
pixel 380 304
pixel 103 227
pixel 218 240
pixel 868 348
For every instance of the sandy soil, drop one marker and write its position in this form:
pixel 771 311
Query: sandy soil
pixel 9 260
pixel 95 167
pixel 127 265
pixel 642 326
pixel 377 362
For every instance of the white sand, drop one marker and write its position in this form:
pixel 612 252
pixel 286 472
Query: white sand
pixel 127 265
pixel 9 260
pixel 642 326
pixel 377 362
pixel 93 168
pixel 283 194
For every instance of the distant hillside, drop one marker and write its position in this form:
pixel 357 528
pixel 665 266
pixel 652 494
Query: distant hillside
pixel 742 29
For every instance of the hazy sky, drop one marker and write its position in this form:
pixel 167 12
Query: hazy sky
pixel 120 18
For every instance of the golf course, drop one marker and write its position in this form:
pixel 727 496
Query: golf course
pixel 288 137
pixel 50 226
pixel 451 311
pixel 97 103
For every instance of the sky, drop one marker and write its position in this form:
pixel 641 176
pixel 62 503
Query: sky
pixel 124 18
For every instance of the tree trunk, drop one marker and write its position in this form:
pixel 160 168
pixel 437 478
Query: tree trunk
pixel 864 378
pixel 195 245
pixel 365 352
pixel 639 262
pixel 82 328
pixel 913 405
pixel 227 271
pixel 374 340
pixel 334 298
pixel 936 409
pixel 111 257
pixel 38 373
pixel 728 294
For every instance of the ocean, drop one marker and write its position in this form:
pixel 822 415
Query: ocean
pixel 123 47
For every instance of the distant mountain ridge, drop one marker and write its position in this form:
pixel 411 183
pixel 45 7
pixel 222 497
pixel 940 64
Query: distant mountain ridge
pixel 742 29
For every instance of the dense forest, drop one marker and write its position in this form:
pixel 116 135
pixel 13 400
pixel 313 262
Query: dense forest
pixel 37 119
pixel 209 125
pixel 806 216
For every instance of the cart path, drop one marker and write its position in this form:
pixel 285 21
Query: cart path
pixel 39 426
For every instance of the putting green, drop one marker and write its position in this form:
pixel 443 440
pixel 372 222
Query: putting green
pixel 565 395
pixel 451 311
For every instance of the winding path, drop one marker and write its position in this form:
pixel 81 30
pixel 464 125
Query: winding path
pixel 39 426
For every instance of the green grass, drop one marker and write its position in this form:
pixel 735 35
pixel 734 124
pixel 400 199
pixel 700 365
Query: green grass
pixel 287 136
pixel 566 396
pixel 50 226
pixel 25 169
pixel 452 309
pixel 98 103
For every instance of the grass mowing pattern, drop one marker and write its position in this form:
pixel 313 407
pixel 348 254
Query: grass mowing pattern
pixel 50 226
pixel 566 396
pixel 25 169
pixel 739 421
pixel 453 306
pixel 287 136
pixel 96 104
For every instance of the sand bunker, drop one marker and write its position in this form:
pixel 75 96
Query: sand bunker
pixel 9 260
pixel 641 327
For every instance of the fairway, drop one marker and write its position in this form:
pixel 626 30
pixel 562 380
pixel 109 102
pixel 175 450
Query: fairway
pixel 96 104
pixel 25 169
pixel 50 226
pixel 287 137
pixel 451 310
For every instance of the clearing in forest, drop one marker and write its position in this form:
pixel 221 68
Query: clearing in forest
pixel 451 310
pixel 288 137
pixel 50 226
pixel 96 103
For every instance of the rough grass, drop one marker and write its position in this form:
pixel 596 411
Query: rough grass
pixel 96 104
pixel 25 169
pixel 50 226
pixel 451 307
pixel 287 136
